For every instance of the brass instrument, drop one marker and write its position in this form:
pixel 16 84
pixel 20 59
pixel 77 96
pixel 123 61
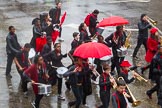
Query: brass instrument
pixel 139 77
pixel 127 41
pixel 153 24
pixel 115 84
pixel 135 101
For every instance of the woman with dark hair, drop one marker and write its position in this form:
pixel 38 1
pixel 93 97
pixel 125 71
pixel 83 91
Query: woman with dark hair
pixel 83 33
pixel 36 73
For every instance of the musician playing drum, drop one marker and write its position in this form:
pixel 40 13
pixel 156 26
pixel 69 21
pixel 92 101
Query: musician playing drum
pixel 56 56
pixel 116 40
pixel 37 73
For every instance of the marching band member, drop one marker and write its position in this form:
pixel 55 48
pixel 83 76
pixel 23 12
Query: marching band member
pixel 119 98
pixel 116 40
pixel 83 33
pixel 56 56
pixel 152 45
pixel 156 72
pixel 125 68
pixel 105 83
pixel 37 73
pixel 75 74
pixel 143 27
pixel 22 63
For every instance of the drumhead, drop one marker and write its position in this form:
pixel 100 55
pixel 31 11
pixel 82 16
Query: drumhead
pixel 31 53
pixel 61 70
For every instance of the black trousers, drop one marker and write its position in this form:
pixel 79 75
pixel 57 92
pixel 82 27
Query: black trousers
pixel 78 92
pixel 154 89
pixel 10 58
pixel 92 31
pixel 105 99
pixel 23 81
pixel 139 43
pixel 37 100
pixel 59 85
pixel 116 63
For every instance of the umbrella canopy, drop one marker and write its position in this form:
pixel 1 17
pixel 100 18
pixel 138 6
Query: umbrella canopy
pixel 92 49
pixel 112 21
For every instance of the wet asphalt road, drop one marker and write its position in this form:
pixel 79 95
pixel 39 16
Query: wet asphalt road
pixel 20 14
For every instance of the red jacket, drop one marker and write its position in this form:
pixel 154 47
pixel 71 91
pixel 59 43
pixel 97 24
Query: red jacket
pixel 32 73
pixel 152 45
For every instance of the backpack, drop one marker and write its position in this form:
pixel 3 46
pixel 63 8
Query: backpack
pixel 87 19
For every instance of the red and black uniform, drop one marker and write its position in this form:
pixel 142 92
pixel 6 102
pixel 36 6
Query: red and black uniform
pixel 92 24
pixel 105 86
pixel 118 100
pixel 38 75
pixel 22 59
pixel 75 43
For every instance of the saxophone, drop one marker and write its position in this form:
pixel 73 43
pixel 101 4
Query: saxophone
pixel 127 41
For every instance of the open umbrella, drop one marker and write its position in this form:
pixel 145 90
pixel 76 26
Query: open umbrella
pixel 92 50
pixel 112 21
pixel 63 18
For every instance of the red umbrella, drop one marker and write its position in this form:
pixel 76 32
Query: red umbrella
pixel 92 50
pixel 112 21
pixel 63 19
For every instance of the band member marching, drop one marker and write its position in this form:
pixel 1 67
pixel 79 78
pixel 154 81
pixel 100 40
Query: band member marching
pixel 119 98
pixel 22 63
pixel 105 83
pixel 152 45
pixel 55 57
pixel 116 40
pixel 36 73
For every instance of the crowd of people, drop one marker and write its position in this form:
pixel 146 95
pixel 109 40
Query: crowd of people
pixel 81 74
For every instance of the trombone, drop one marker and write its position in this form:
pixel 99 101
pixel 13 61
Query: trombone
pixel 135 101
pixel 139 77
pixel 153 23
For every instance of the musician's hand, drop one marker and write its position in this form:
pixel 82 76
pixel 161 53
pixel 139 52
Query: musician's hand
pixel 21 69
pixel 33 82
pixel 126 94
pixel 76 69
pixel 112 80
pixel 135 74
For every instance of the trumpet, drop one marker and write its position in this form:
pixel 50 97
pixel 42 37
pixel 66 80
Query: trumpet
pixel 135 101
pixel 114 84
pixel 139 77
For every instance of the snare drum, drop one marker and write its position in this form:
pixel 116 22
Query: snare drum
pixel 60 71
pixel 122 52
pixel 44 89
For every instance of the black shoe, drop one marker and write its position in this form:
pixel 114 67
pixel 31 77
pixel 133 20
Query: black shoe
pixel 149 95
pixel 8 76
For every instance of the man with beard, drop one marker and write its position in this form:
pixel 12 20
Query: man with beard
pixel 12 48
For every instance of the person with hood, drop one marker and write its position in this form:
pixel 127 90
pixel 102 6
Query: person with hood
pixel 143 27
pixel 152 46
pixel 93 22
pixel 12 48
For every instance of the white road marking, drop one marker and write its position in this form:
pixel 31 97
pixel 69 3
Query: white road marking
pixel 123 1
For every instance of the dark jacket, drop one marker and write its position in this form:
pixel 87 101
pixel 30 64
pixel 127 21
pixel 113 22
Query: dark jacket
pixel 75 78
pixel 143 29
pixel 47 29
pixel 105 83
pixel 74 44
pixel 156 67
pixel 93 21
pixel 12 45
pixel 110 42
pixel 55 14
pixel 84 36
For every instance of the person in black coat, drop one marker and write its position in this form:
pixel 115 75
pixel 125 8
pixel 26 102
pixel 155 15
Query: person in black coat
pixel 143 27
pixel 55 14
pixel 116 40
pixel 37 32
pixel 83 33
pixel 75 43
pixel 75 74
pixel 156 72
pixel 105 83
pixel 55 57
pixel 12 48
pixel 93 22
